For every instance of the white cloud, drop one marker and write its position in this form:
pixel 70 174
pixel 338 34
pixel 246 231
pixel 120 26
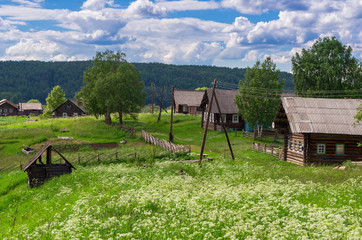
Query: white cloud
pixel 185 5
pixel 29 3
pixel 145 8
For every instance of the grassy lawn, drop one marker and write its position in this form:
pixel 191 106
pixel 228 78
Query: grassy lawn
pixel 254 197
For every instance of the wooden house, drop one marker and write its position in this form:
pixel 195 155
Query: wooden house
pixel 319 130
pixel 229 110
pixel 39 171
pixel 30 108
pixel 8 108
pixel 188 101
pixel 70 108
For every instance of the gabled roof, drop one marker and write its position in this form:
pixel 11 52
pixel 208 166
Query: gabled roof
pixel 39 153
pixel 8 102
pixel 322 115
pixel 30 106
pixel 188 97
pixel 225 99
pixel 74 102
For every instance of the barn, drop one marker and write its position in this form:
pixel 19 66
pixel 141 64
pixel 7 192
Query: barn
pixel 30 108
pixel 229 110
pixel 70 108
pixel 319 130
pixel 39 172
pixel 188 101
pixel 8 108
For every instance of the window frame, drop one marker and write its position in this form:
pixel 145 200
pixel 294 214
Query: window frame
pixel 233 120
pixel 65 115
pixel 344 148
pixel 10 110
pixel 5 110
pixel 325 148
pixel 75 114
pixel 223 118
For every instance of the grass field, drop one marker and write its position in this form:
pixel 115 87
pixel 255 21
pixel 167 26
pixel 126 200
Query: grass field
pixel 253 197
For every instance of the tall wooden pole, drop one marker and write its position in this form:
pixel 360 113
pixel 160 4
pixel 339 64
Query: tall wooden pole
pixel 170 136
pixel 161 105
pixel 207 123
pixel 223 126
pixel 153 95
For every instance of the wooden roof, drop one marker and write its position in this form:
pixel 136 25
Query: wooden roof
pixel 74 102
pixel 30 106
pixel 8 102
pixel 225 99
pixel 39 153
pixel 322 115
pixel 188 97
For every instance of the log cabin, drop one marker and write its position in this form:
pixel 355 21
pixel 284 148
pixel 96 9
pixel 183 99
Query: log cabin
pixel 30 108
pixel 70 108
pixel 39 172
pixel 188 101
pixel 320 131
pixel 229 110
pixel 8 108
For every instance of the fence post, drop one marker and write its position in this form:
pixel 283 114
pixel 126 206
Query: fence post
pixel 116 155
pixel 272 149
pixel 21 166
pixel 78 158
pixel 98 158
pixel 265 147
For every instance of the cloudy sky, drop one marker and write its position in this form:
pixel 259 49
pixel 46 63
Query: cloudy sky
pixel 232 33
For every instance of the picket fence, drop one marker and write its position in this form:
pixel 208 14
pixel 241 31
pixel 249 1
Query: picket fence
pixel 273 151
pixel 163 143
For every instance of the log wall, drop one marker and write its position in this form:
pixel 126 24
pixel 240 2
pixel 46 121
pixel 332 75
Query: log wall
pixel 295 149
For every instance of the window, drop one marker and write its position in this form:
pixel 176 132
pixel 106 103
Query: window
pixel 321 148
pixel 302 149
pixel 293 145
pixel 205 116
pixel 235 118
pixel 1 110
pixel 75 115
pixel 298 144
pixel 64 114
pixel 223 118
pixel 5 110
pixel 340 149
pixel 289 145
pixel 211 117
pixel 10 110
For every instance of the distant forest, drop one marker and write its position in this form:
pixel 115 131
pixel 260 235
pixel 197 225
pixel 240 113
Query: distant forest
pixel 21 81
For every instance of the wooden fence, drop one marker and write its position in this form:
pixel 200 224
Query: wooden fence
pixel 164 144
pixel 265 133
pixel 10 168
pixel 273 151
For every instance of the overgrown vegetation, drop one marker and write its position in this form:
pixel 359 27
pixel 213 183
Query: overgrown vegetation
pixel 149 197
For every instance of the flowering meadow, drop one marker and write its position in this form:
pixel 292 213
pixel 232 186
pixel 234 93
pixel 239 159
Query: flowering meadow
pixel 223 199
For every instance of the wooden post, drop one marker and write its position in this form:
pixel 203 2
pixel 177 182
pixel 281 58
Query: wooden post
pixel 161 105
pixel 153 95
pixel 170 136
pixel 49 156
pixel 116 155
pixel 223 125
pixel 207 123
pixel 265 147
pixel 78 158
pixel 98 158
pixel 236 132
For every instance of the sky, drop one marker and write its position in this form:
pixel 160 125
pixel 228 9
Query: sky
pixel 232 33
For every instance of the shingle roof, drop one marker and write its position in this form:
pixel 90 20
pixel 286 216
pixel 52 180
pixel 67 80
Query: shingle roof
pixel 225 99
pixel 188 97
pixel 30 106
pixel 7 101
pixel 322 115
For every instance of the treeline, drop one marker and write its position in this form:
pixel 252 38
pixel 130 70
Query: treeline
pixel 24 80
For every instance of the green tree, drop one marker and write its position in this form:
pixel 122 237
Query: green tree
pixel 55 98
pixel 112 85
pixel 358 117
pixel 259 95
pixel 327 65
pixel 33 101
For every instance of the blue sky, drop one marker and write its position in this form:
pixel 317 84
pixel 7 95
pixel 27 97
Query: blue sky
pixel 233 33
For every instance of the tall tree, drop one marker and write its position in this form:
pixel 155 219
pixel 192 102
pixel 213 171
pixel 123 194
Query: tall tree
pixel 55 98
pixel 327 65
pixel 112 85
pixel 259 95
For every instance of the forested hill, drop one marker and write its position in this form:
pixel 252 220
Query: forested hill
pixel 24 80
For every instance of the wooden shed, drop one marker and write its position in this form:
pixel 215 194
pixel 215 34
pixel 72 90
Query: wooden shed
pixel 70 108
pixel 8 108
pixel 30 108
pixel 188 101
pixel 319 130
pixel 229 110
pixel 39 172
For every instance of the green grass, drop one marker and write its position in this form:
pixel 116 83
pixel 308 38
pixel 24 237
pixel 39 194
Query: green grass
pixel 256 196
